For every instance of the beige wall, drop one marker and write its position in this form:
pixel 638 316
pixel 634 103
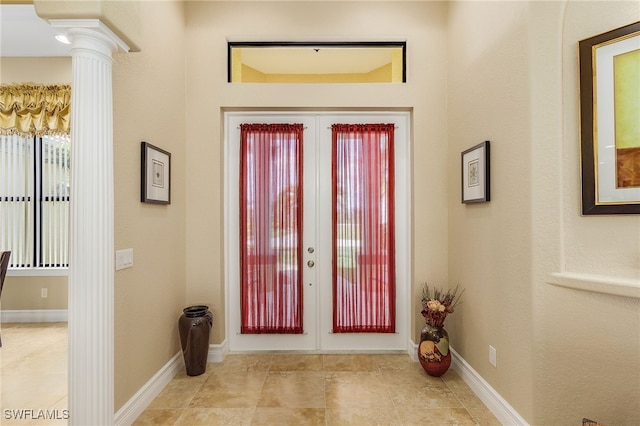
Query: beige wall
pixel 382 74
pixel 209 24
pixel 53 70
pixel 490 243
pixel 23 293
pixel 562 354
pixel 499 71
pixel 569 322
pixel 149 104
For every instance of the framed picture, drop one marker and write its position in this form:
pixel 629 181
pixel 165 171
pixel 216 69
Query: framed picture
pixel 475 174
pixel 156 175
pixel 609 121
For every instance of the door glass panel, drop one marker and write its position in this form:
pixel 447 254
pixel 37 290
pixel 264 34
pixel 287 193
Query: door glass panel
pixel 271 228
pixel 363 228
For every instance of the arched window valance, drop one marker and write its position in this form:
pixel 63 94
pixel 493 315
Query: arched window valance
pixel 35 109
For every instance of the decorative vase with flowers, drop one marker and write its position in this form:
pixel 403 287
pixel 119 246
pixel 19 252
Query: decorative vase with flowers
pixel 433 351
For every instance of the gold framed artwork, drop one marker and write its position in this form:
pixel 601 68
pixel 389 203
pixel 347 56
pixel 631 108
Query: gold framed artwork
pixel 610 121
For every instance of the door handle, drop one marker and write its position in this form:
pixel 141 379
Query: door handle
pixel 311 263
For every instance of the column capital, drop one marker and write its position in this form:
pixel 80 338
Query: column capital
pixel 89 28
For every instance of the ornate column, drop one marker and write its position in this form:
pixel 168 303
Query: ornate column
pixel 91 259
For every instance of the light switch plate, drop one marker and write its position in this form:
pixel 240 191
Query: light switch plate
pixel 492 356
pixel 124 259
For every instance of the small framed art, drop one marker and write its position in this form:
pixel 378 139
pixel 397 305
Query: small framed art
pixel 475 174
pixel 609 125
pixel 156 175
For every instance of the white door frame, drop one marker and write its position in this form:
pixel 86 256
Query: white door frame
pixel 316 341
pixel 299 342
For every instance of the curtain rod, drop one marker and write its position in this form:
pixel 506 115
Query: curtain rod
pixel 328 127
pixel 305 127
pixel 395 127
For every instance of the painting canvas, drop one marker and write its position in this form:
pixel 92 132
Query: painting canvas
pixel 626 83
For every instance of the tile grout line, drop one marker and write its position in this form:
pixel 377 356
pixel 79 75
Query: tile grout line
pixel 461 402
pixel 377 366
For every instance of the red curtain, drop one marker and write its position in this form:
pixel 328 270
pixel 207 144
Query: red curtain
pixel 363 228
pixel 271 228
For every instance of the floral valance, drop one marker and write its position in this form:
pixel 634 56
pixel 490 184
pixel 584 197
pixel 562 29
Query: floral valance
pixel 35 109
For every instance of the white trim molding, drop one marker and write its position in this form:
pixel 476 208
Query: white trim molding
pixel 317 335
pixel 218 351
pixel 132 409
pixel 617 286
pixel 500 408
pixel 139 402
pixel 413 351
pixel 66 26
pixel 38 272
pixel 34 315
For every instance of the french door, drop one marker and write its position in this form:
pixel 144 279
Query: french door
pixel 291 277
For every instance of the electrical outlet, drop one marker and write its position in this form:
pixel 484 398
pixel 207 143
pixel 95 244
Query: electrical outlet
pixel 44 293
pixel 492 356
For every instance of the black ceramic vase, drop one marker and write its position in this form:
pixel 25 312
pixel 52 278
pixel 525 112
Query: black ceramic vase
pixel 194 327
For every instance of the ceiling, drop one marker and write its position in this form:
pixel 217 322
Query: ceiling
pixel 23 33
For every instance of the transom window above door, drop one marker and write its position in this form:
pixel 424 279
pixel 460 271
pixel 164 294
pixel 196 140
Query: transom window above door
pixel 323 62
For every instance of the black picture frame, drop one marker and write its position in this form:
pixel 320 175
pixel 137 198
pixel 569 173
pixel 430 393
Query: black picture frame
pixel 475 178
pixel 155 175
pixel 601 155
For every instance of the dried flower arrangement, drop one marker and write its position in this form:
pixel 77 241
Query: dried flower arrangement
pixel 437 303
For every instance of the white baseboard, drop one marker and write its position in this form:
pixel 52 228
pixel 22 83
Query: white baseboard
pixel 37 315
pixel 217 352
pixel 147 393
pixel 413 351
pixel 500 408
pixel 132 409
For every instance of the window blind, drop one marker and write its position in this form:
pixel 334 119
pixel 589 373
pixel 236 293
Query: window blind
pixel 34 200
